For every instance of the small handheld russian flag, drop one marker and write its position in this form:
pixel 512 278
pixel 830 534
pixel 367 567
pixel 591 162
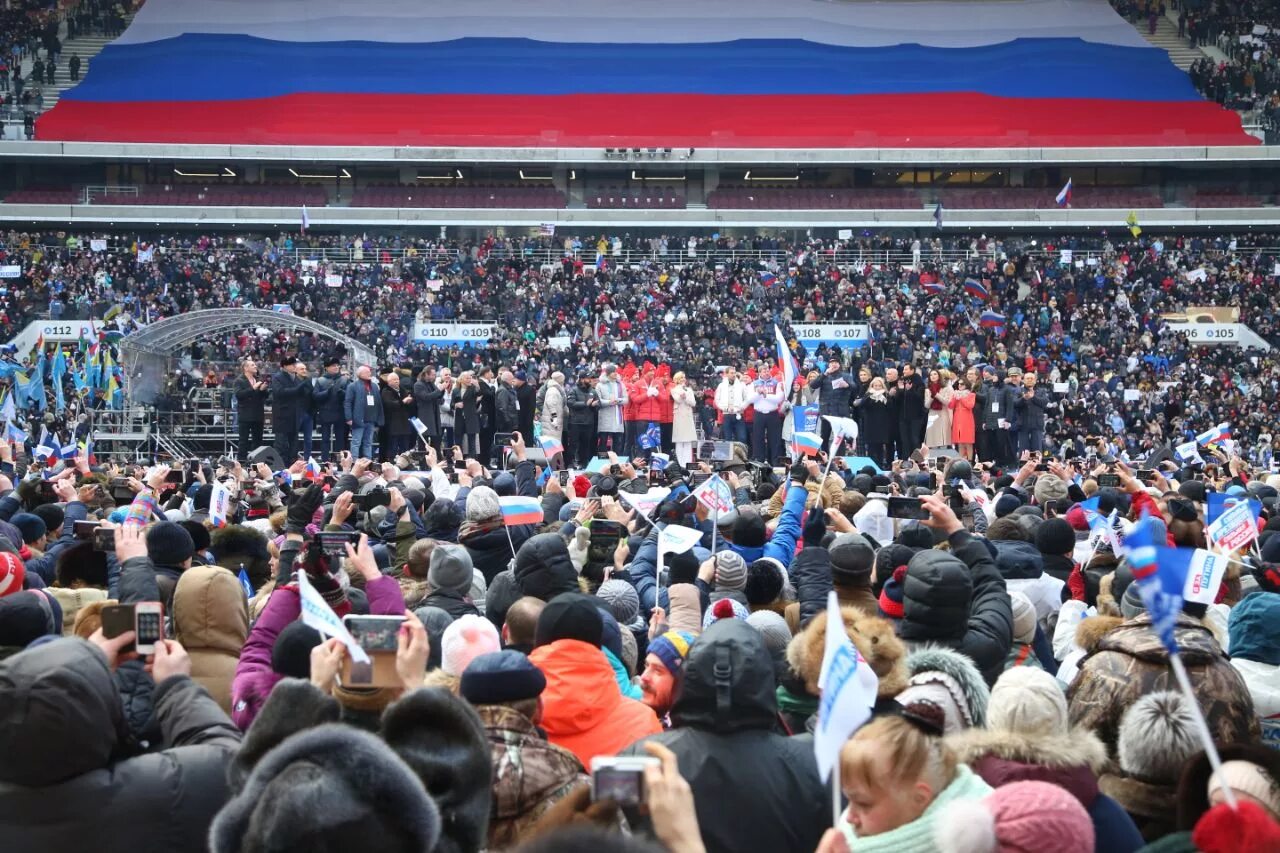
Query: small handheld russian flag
pixel 1217 435
pixel 312 469
pixel 551 446
pixel 808 443
pixel 973 287
pixel 932 286
pixel 517 510
pixel 768 279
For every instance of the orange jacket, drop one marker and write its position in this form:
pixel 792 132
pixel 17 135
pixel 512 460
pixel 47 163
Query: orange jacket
pixel 582 709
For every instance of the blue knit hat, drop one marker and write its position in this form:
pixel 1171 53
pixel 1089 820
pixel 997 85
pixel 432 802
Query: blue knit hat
pixel 30 525
pixel 672 648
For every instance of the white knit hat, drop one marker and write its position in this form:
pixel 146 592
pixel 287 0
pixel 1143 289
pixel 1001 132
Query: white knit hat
pixel 1248 778
pixel 466 638
pixel 1027 700
pixel 482 504
pixel 1024 617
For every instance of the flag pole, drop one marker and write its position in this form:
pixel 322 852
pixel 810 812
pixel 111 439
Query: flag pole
pixel 715 525
pixel 1202 728
pixel 835 796
pixel 507 528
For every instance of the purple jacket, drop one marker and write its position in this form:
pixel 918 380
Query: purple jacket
pixel 254 676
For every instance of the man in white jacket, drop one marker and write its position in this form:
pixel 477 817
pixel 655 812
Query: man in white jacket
pixel 766 396
pixel 731 400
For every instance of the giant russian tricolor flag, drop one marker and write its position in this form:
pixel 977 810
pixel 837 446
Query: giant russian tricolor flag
pixel 667 73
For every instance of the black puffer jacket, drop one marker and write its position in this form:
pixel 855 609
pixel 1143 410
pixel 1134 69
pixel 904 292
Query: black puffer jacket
pixel 724 732
pixel 811 575
pixel 64 781
pixel 543 568
pixel 959 600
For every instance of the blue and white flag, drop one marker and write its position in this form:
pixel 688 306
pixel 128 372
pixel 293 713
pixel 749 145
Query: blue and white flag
pixel 319 615
pixel 1189 453
pixel 1160 583
pixel 848 688
pixel 245 583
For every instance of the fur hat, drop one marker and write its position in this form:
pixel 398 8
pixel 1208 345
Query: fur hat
pixel 1024 617
pixel 1028 701
pixel 450 568
pixel 1016 818
pixel 482 504
pixel 1156 735
pixel 443 741
pixel 328 789
pixel 467 638
pixel 973 696
pixel 731 571
pixel 871 635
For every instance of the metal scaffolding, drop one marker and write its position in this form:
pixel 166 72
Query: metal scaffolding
pixel 146 353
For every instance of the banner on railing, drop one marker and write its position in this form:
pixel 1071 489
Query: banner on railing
pixel 844 334
pixel 453 333
pixel 10 271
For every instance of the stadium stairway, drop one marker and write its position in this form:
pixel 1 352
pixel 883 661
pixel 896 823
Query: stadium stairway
pixel 1167 39
pixel 86 47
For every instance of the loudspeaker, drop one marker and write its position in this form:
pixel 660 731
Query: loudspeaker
pixel 268 454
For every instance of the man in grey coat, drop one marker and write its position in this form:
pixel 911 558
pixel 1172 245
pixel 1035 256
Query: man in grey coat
pixel 611 393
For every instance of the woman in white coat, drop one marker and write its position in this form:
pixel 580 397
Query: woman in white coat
pixel 683 432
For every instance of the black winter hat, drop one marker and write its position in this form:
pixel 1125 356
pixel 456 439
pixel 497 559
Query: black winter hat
pixel 443 741
pixel 764 583
pixel 852 559
pixel 569 616
pixel 1055 536
pixel 291 654
pixel 913 534
pixel 498 677
pixel 169 544
pixel 681 568
pixel 749 530
pixel 1193 490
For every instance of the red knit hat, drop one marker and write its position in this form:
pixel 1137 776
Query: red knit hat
pixel 891 594
pixel 12 573
pixel 1246 829
pixel 581 485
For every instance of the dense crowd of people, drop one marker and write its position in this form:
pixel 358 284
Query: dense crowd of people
pixel 1091 332
pixel 459 653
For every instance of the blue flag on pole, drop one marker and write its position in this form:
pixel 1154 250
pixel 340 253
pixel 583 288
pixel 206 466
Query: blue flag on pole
pixel 244 582
pixel 1160 581
pixel 1219 503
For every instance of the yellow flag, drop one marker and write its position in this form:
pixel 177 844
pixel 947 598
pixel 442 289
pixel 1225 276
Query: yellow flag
pixel 1132 222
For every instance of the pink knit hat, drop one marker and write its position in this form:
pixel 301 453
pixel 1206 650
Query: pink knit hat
pixel 1023 817
pixel 466 638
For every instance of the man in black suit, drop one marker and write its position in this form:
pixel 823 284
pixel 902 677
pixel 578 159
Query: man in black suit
pixel 286 388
